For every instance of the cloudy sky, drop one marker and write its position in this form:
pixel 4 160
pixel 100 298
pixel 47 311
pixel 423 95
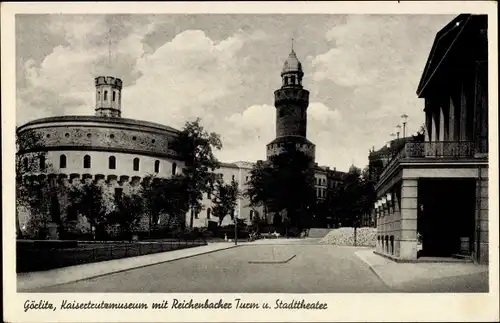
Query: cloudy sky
pixel 362 72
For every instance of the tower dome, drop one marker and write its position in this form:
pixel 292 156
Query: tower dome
pixel 292 64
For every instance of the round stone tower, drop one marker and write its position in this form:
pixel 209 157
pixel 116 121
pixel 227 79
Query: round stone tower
pixel 108 96
pixel 291 102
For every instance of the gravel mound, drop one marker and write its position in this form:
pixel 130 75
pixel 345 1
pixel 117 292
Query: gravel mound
pixel 345 237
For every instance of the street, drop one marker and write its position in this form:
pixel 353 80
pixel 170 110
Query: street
pixel 261 268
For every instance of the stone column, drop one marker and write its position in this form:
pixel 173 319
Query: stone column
pixel 441 123
pixel 482 215
pixel 451 121
pixel 409 199
pixel 397 221
pixel 463 114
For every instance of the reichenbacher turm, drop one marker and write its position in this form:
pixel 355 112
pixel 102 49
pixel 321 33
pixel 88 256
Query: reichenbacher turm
pixel 291 102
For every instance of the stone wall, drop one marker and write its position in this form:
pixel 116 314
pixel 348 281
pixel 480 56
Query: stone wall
pixel 102 137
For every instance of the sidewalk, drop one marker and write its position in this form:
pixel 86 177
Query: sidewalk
pixel 32 280
pixel 419 276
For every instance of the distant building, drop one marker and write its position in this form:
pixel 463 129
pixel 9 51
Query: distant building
pixel 433 195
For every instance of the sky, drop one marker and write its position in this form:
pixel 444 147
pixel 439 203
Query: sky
pixel 362 72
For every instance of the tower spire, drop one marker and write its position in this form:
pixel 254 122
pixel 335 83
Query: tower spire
pixel 292 43
pixel 109 49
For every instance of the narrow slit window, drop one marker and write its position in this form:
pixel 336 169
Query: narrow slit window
pixel 112 162
pixel 62 161
pixel 86 161
pixel 136 164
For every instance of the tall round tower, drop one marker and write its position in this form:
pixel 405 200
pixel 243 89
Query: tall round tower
pixel 108 96
pixel 291 102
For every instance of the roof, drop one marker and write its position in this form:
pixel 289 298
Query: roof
pixel 99 119
pixel 292 64
pixel 449 38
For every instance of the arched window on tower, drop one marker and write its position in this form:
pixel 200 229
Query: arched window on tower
pixel 62 161
pixel 293 80
pixel 114 96
pixel 208 213
pixel 112 162
pixel 157 166
pixel 86 161
pixel 136 164
pixel 42 162
pixel 105 95
pixel 174 168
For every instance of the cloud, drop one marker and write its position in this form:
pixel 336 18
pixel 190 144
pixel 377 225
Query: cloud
pixel 362 72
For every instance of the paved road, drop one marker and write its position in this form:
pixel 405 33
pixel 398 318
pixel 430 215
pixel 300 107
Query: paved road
pixel 276 268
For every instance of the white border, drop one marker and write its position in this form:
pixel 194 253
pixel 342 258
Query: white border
pixel 341 307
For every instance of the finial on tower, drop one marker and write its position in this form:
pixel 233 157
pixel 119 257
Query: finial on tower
pixel 292 44
pixel 109 49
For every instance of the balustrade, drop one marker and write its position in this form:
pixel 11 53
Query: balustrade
pixel 438 149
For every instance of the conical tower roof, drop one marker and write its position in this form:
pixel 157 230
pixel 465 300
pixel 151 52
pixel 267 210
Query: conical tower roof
pixel 292 64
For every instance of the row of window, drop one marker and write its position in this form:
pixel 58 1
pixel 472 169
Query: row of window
pixel 321 181
pixel 87 163
pixel 291 80
pixel 320 192
pixel 112 136
pixel 114 98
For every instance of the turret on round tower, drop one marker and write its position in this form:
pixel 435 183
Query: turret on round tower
pixel 108 96
pixel 291 102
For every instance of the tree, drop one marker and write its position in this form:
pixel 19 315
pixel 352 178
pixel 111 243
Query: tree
pixel 285 186
pixel 195 146
pixel 225 199
pixel 166 196
pixel 89 201
pixel 129 211
pixel 34 193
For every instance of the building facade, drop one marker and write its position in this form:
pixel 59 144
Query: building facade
pixel 113 151
pixel 433 194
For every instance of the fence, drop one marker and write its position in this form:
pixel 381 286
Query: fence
pixel 36 256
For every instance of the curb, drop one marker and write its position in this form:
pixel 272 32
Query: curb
pixel 26 289
pixel 371 267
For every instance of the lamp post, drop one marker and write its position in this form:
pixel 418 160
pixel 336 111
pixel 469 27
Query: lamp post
pixel 398 130
pixel 405 120
pixel 389 204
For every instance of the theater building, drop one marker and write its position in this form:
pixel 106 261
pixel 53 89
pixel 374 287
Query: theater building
pixel 433 194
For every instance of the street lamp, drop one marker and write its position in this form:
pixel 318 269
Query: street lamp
pixel 405 120
pixel 389 204
pixel 398 130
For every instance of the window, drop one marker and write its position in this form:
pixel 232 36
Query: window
pixel 232 178
pixel 293 79
pixel 246 179
pixel 136 164
pixel 208 213
pixel 25 162
pixel 114 95
pixel 86 161
pixel 62 161
pixel 174 168
pixel 42 162
pixel 105 95
pixel 112 162
pixel 251 215
pixel 157 166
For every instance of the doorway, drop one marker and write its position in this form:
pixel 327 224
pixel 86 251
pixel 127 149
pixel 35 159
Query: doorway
pixel 446 215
